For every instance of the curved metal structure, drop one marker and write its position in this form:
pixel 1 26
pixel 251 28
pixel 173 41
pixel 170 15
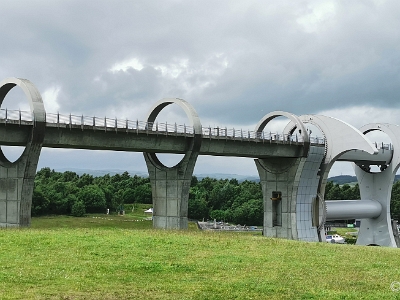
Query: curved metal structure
pixel 17 178
pixel 378 186
pixel 340 137
pixel 294 120
pixel 170 186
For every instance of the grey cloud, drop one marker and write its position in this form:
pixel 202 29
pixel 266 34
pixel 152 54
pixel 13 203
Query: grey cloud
pixel 238 60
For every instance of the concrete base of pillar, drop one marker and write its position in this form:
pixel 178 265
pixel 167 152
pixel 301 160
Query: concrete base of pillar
pixel 170 222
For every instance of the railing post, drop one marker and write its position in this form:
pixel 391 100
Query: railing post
pixel 19 117
pixel 166 128
pixel 116 124
pixel 234 134
pixel 58 119
pixel 82 122
pixel 6 116
pixel 70 121
pixel 105 124
pixel 184 129
pixel 126 125
pixel 137 126
pixel 94 122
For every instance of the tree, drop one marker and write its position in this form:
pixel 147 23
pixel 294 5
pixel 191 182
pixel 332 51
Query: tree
pixel 218 215
pixel 197 209
pixel 395 201
pixel 334 193
pixel 40 202
pixel 94 199
pixel 85 180
pixel 142 194
pixel 78 209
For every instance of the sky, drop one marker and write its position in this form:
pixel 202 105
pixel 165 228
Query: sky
pixel 234 61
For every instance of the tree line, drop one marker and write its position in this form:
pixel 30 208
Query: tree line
pixel 68 193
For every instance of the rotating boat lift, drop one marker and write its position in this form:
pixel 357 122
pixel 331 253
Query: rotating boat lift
pixel 293 187
pixel 301 210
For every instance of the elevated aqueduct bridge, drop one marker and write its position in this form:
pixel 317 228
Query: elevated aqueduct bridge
pixel 293 167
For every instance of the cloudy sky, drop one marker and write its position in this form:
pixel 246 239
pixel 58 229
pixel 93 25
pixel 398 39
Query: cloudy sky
pixel 234 61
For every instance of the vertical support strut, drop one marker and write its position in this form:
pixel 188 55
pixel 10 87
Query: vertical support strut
pixel 290 188
pixel 170 185
pixel 378 186
pixel 17 178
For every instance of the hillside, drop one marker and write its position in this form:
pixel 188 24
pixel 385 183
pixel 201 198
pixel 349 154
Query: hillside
pixel 101 260
pixel 343 179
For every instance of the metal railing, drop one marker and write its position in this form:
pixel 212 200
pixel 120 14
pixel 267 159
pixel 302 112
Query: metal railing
pixel 110 124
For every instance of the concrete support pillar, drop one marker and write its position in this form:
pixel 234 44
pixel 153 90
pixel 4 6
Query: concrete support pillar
pixel 170 191
pixel 17 178
pixel 290 187
pixel 290 192
pixel 378 186
pixel 170 185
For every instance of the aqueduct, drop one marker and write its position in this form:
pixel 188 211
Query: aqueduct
pixel 293 167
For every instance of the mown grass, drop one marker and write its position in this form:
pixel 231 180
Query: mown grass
pixel 60 258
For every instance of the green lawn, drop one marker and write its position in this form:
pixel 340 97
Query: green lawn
pixel 117 257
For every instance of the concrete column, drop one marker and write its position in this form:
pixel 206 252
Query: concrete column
pixel 290 187
pixel 170 185
pixel 17 178
pixel 295 214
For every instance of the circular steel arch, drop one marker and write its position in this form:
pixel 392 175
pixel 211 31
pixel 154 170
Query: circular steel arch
pixel 292 117
pixel 194 122
pixel 393 132
pixel 37 110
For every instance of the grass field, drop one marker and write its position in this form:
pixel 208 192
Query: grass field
pixel 121 257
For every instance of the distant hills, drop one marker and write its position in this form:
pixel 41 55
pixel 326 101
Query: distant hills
pixel 341 179
pixel 98 173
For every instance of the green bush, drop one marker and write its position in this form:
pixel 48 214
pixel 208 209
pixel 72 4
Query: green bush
pixel 78 209
pixel 350 240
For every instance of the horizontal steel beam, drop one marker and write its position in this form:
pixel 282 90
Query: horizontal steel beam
pixel 383 157
pixel 352 209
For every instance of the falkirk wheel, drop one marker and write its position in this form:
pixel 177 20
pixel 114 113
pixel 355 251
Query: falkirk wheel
pixel 292 187
pixel 300 210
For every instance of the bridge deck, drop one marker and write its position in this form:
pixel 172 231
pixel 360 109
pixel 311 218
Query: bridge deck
pixel 216 141
pixel 140 140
